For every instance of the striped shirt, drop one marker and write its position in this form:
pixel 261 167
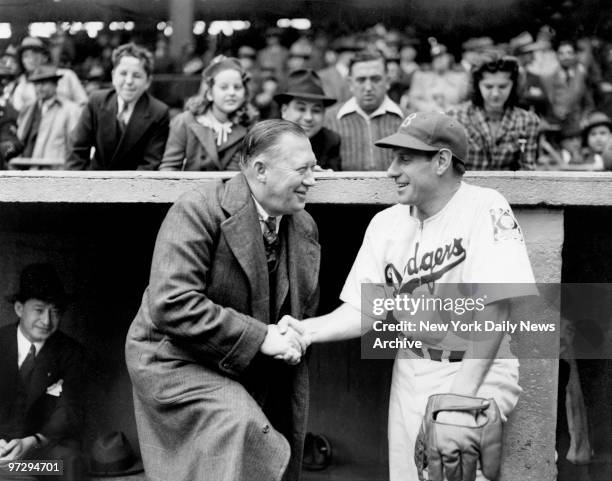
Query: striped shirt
pixel 359 131
pixel 513 147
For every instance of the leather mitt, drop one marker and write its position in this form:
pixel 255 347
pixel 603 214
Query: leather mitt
pixel 452 452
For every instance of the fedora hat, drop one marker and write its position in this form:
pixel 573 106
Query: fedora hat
pixel 40 281
pixel 32 43
pixel 306 84
pixel 44 73
pixel 112 455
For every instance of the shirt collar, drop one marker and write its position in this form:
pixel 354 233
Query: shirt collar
pixel 23 346
pixel 387 106
pixel 263 215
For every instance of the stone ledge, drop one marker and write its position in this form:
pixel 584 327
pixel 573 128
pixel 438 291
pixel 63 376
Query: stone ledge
pixel 553 189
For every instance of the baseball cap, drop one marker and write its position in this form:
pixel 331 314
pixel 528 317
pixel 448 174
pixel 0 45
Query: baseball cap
pixel 428 132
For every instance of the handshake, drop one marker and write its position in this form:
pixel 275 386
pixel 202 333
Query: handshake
pixel 286 341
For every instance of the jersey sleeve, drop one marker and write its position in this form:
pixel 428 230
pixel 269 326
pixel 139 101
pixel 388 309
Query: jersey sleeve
pixel 498 260
pixel 367 269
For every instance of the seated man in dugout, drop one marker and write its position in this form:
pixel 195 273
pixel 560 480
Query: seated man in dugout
pixel 41 379
pixel 126 126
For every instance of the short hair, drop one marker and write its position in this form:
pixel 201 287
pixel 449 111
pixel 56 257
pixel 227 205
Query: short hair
pixel 133 50
pixel 264 136
pixel 367 56
pixel 565 41
pixel 492 64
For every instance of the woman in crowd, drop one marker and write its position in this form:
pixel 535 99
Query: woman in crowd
pixel 207 135
pixel 595 137
pixel 501 135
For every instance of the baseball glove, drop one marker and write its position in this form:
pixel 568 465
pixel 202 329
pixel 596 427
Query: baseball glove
pixel 452 452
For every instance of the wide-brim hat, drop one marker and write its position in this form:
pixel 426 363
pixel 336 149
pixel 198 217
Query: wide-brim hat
pixel 306 84
pixel 44 73
pixel 111 455
pixel 40 281
pixel 429 132
pixel 32 43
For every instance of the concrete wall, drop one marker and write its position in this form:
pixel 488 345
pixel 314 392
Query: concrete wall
pixel 99 228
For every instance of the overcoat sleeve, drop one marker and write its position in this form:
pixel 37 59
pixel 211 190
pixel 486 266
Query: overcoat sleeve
pixel 176 145
pixel 178 304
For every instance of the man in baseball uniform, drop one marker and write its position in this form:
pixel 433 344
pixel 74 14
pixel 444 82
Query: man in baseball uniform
pixel 442 231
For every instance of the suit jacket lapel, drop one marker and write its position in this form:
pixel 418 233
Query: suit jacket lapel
pixel 136 127
pixel 109 130
pixel 207 139
pixel 43 370
pixel 242 233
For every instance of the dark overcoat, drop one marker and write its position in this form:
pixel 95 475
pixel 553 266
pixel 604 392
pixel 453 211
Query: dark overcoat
pixel 208 405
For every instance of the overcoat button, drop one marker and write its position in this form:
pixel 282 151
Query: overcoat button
pixel 266 429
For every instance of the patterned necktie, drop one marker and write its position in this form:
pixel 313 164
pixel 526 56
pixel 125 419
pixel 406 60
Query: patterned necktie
pixel 270 238
pixel 25 371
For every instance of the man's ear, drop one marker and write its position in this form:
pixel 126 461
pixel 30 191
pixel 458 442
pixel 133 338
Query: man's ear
pixel 444 161
pixel 259 167
pixel 18 306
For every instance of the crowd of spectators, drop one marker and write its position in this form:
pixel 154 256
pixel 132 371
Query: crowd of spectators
pixel 531 103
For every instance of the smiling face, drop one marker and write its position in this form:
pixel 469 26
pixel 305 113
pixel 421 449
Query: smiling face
pixel 130 78
pixel 598 138
pixel 227 93
pixel 414 173
pixel 308 114
pixel 495 89
pixel 37 319
pixel 287 174
pixel 32 59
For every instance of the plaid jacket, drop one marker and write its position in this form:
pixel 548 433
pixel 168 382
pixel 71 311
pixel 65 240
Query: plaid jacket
pixel 514 146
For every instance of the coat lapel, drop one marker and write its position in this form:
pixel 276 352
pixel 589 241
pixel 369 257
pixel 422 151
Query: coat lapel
pixel 137 126
pixel 207 139
pixel 43 370
pixel 108 128
pixel 242 233
pixel 237 134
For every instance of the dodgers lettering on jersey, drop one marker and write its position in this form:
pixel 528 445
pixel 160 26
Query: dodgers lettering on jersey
pixel 474 239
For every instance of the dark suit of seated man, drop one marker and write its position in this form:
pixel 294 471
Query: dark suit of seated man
pixel 126 125
pixel 40 379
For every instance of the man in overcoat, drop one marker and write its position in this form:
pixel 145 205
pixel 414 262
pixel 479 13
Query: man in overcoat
pixel 214 397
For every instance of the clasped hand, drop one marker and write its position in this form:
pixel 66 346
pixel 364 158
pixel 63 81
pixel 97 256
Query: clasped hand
pixel 287 340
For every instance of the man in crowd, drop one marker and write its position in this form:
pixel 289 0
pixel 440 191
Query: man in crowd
pixel 335 77
pixel 44 126
pixel 403 253
pixel 569 95
pixel 126 125
pixel 367 116
pixel 211 400
pixel 304 102
pixel 41 378
pixel 10 145
pixel 32 53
